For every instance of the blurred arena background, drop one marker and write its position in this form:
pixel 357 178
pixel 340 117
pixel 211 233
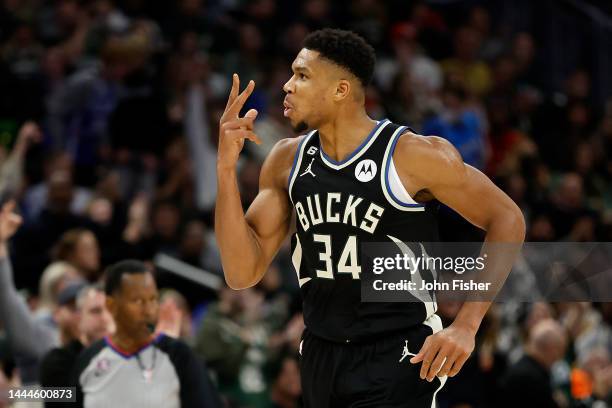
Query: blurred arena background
pixel 108 124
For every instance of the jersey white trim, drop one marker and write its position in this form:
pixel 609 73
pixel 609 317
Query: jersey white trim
pixel 435 323
pixel 391 184
pixel 397 187
pixel 424 296
pixel 296 259
pixel 360 150
pixel 298 162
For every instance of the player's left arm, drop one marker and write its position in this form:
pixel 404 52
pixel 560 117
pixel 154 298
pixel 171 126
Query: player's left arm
pixel 431 165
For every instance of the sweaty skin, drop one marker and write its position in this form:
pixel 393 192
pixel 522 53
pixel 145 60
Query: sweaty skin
pixel 321 95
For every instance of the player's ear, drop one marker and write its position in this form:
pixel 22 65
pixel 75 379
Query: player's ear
pixel 343 90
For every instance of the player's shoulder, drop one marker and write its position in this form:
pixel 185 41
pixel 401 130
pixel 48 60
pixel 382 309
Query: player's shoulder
pixel 416 145
pixel 287 146
pixel 280 160
pixel 423 155
pixel 419 148
pixel 284 151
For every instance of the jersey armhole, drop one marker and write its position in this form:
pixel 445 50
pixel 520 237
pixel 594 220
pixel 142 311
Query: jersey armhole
pixel 297 162
pixel 392 185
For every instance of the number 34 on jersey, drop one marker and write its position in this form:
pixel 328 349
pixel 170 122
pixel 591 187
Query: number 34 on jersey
pixel 322 211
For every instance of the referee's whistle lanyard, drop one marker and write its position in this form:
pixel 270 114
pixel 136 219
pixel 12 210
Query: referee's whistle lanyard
pixel 147 372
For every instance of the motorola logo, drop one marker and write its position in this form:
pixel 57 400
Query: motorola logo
pixel 365 170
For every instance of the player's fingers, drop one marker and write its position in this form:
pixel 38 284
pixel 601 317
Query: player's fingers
pixel 242 123
pixel 423 351
pixel 238 103
pixel 458 365
pixel 233 91
pixel 424 348
pixel 243 134
pixel 252 113
pixel 428 359
pixel 438 362
pixel 448 364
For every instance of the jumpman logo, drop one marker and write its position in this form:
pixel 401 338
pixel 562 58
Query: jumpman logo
pixel 309 169
pixel 406 352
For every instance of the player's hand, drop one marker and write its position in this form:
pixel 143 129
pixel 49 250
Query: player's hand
pixel 445 352
pixel 233 130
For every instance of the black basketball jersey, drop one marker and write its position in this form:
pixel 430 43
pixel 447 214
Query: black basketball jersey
pixel 339 206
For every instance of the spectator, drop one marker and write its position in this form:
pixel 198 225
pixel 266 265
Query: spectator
pixel 33 243
pixel 94 322
pixel 523 53
pixel 79 120
pixel 12 168
pixel 165 223
pixel 235 340
pixel 220 341
pixel 591 381
pixel 30 339
pixel 54 279
pixel 568 204
pixel 37 196
pixel 424 75
pixel 287 388
pixel 492 45
pixel 509 146
pixel 527 383
pixel 201 150
pixel 79 247
pixel 459 125
pixel 132 366
pixel 465 66
pixel 174 315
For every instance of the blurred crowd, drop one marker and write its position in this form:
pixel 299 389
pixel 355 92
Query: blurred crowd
pixel 108 124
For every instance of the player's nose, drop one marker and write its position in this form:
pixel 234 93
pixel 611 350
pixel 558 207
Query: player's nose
pixel 288 87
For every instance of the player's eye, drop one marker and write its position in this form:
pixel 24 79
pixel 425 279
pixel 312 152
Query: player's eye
pixel 302 76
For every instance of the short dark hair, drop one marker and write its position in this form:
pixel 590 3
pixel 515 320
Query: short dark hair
pixel 346 49
pixel 114 274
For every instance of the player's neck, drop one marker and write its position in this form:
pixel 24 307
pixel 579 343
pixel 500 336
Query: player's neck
pixel 340 137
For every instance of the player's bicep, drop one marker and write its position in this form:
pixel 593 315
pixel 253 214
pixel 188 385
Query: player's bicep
pixel 472 195
pixel 269 215
pixel 438 167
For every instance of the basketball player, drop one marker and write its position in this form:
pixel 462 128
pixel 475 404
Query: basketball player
pixel 352 180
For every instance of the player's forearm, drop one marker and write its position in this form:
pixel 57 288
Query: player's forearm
pixel 505 235
pixel 471 314
pixel 240 250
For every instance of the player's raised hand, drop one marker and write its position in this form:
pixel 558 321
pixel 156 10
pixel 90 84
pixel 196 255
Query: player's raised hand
pixel 233 130
pixel 445 352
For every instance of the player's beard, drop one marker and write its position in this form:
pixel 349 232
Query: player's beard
pixel 300 127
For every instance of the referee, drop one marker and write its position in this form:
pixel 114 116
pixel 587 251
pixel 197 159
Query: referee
pixel 133 367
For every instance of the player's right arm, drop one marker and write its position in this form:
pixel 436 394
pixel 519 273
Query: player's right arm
pixel 248 242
